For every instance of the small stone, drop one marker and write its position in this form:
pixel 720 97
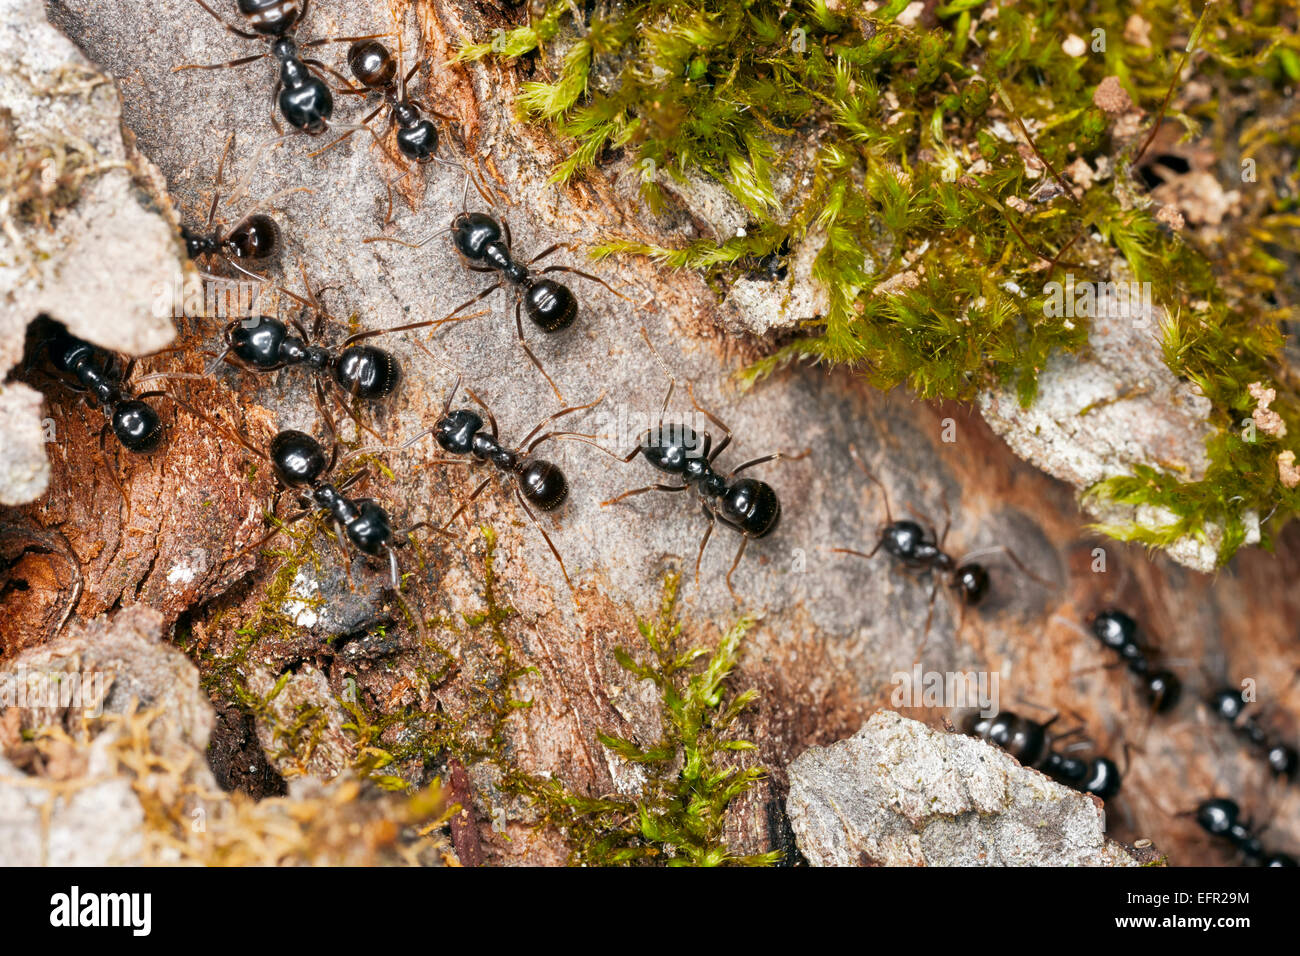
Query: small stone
pixel 1074 45
pixel 1287 472
pixel 1111 98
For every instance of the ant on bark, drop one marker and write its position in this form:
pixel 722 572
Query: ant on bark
pixel 746 505
pixel 305 100
pixel 484 245
pixel 536 481
pixel 1032 744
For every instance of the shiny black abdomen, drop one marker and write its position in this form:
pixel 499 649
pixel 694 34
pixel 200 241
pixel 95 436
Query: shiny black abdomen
pixel 256 237
pixel 372 64
pixel 550 306
pixel 367 372
pixel 751 505
pixel 298 458
pixel 543 484
pixel 271 17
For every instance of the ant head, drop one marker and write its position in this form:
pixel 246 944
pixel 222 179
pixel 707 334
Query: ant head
pixel 1114 629
pixel 370 531
pixel 417 137
pixel 136 426
pixel 195 244
pixel 752 505
pixel 1227 703
pixel 902 539
pixel 671 448
pixel 1218 815
pixel 455 431
pixel 1283 761
pixel 257 237
pixel 543 484
pixel 367 372
pixel 1103 778
pixel 298 458
pixel 372 64
pixel 271 17
pixel 473 232
pixel 258 342
pixel 971 582
pixel 550 305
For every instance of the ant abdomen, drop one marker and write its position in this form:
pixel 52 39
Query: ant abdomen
pixel 271 17
pixel 552 307
pixel 367 372
pixel 753 506
pixel 256 238
pixel 543 484
pixel 372 64
pixel 137 426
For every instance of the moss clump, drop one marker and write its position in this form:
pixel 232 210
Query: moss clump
pixel 691 778
pixel 934 155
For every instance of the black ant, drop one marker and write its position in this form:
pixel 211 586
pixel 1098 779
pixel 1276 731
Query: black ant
pixel 301 464
pixel 1221 817
pixel 921 549
pixel 1030 743
pixel 265 344
pixel 253 239
pixel 484 246
pixel 1229 704
pixel 1119 632
pixel 131 419
pixel 305 100
pixel 461 432
pixel 746 505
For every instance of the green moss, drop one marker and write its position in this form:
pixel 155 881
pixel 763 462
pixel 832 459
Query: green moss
pixel 897 118
pixel 691 774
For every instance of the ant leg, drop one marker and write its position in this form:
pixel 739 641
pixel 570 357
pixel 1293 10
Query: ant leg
pixel 428 323
pixel 859 554
pixel 547 538
pixel 373 113
pixel 641 491
pixel 778 456
pixel 492 419
pixel 113 469
pixel 550 418
pixel 929 619
pixel 853 451
pixel 740 553
pixel 585 275
pixel 519 328
pixel 699 556
pixel 467 502
pixel 347 85
pixel 726 432
pixel 222 66
pixel 663 367
pixel 236 31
